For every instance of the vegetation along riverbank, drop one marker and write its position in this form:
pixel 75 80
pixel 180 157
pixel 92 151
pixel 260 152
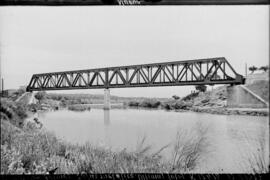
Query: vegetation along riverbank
pixel 27 148
pixel 212 101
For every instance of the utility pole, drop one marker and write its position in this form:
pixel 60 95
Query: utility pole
pixel 2 81
pixel 2 87
pixel 246 69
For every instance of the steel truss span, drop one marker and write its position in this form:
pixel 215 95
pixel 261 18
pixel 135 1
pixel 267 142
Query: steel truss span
pixel 178 73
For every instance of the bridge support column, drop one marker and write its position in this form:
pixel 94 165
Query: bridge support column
pixel 107 104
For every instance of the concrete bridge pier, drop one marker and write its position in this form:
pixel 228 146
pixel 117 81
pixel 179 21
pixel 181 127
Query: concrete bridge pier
pixel 107 104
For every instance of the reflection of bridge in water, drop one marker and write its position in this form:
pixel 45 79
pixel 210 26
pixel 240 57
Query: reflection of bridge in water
pixel 106 118
pixel 209 71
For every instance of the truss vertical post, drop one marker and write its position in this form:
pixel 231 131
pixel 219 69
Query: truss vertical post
pixel 127 76
pixel 106 78
pixel 224 70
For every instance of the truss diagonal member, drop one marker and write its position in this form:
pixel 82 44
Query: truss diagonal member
pixel 165 73
pixel 178 75
pixel 185 73
pixel 113 74
pixel 193 74
pixel 92 79
pixel 52 80
pixel 48 77
pixel 133 75
pixel 172 75
pixel 224 59
pixel 69 83
pixel 121 76
pixel 39 81
pixel 86 84
pixel 31 82
pixel 156 74
pixel 44 81
pixel 217 67
pixel 101 78
pixel 75 79
pixel 209 70
pixel 200 71
pixel 60 80
pixel 145 77
pixel 35 78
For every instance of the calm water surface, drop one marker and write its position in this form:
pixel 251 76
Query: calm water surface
pixel 230 139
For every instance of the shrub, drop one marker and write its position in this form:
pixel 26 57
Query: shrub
pixel 167 107
pixel 15 112
pixel 33 107
pixel 8 132
pixel 190 96
pixel 175 97
pixel 150 104
pixel 79 107
pixel 201 88
pixel 264 68
pixel 182 105
pixel 133 103
pixel 21 110
pixel 252 69
pixel 40 96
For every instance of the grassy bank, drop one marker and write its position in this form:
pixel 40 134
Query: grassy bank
pixel 29 150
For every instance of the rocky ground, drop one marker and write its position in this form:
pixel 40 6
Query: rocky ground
pixel 215 102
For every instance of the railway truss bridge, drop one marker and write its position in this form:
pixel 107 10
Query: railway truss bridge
pixel 208 71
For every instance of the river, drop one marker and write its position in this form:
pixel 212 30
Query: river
pixel 229 140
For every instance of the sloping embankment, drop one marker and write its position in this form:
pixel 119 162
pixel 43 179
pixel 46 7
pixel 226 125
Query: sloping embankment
pixel 215 102
pixel 260 88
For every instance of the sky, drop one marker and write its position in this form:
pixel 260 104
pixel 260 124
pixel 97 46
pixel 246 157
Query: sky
pixel 48 39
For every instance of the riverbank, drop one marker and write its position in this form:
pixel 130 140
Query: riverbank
pixel 30 151
pixel 26 149
pixel 213 102
pixel 233 111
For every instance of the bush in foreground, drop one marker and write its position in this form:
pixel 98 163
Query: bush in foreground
pixel 14 112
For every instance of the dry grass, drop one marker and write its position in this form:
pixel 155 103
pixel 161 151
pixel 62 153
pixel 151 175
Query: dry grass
pixel 257 160
pixel 32 151
pixel 189 148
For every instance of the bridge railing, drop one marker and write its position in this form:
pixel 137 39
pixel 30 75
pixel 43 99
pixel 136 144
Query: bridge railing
pixel 192 72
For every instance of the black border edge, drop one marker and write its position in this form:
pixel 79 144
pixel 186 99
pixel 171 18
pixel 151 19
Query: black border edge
pixel 143 2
